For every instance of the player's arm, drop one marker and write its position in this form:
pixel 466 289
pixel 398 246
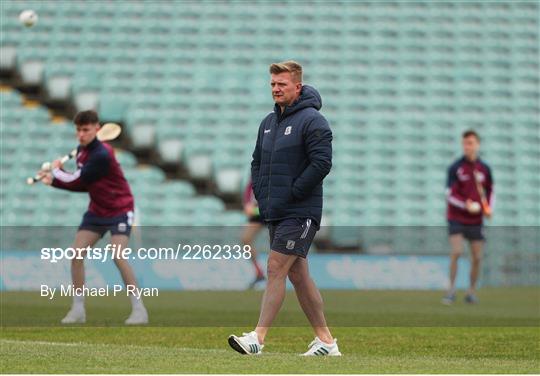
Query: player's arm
pixel 318 145
pixel 94 169
pixel 453 196
pixel 256 162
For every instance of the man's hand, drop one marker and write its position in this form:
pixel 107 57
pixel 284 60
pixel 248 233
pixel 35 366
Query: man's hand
pixel 248 209
pixel 57 163
pixel 47 177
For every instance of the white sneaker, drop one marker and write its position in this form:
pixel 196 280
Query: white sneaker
pixel 139 316
pixel 319 348
pixel 247 344
pixel 76 315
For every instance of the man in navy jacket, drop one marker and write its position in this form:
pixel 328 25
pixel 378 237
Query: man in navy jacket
pixel 292 156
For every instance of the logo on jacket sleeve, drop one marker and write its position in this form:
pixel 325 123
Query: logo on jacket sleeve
pixel 267 130
pixel 288 130
pixel 462 175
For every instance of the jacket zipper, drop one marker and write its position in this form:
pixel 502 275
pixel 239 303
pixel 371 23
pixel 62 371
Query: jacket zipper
pixel 271 156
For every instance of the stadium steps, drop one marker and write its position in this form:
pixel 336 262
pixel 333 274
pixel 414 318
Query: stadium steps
pixel 55 90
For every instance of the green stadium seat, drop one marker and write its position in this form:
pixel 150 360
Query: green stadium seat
pixel 143 137
pixel 170 151
pixel 111 108
pixel 228 180
pixel 126 159
pixel 400 82
pixel 8 58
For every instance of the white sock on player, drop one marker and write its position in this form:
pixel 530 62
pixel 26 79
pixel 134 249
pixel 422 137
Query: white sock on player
pixel 78 301
pixel 77 314
pixel 139 315
pixel 136 303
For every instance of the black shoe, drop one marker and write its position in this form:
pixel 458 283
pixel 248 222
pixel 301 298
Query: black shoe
pixel 471 299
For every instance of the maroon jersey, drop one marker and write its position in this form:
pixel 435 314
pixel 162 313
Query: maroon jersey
pixel 461 186
pixel 99 174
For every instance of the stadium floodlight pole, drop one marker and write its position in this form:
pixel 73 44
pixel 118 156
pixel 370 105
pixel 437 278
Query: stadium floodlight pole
pixel 108 132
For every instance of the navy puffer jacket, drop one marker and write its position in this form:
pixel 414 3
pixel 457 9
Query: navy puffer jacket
pixel 292 156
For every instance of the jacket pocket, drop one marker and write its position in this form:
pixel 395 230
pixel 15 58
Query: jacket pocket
pixel 257 190
pixel 292 196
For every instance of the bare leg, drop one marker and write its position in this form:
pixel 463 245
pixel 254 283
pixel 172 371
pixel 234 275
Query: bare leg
pixel 310 299
pixel 274 294
pixel 121 242
pixel 248 238
pixel 456 244
pixel 83 239
pixel 476 258
pixel 138 313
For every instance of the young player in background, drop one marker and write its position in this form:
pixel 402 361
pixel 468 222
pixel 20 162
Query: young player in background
pixel 254 226
pixel 469 198
pixel 110 209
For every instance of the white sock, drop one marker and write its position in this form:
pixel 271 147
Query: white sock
pixel 136 303
pixel 78 301
pixel 328 344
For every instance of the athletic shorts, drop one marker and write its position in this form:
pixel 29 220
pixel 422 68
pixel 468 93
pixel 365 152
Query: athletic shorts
pixel 119 225
pixel 292 236
pixel 469 232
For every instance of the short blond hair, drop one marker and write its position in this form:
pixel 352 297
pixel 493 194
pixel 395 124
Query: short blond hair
pixel 290 66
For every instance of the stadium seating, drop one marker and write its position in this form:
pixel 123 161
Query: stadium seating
pixel 29 137
pixel 399 81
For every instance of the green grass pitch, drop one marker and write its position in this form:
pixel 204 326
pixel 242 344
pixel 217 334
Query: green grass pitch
pixel 378 332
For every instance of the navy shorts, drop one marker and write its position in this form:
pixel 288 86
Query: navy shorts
pixel 119 225
pixel 292 236
pixel 469 232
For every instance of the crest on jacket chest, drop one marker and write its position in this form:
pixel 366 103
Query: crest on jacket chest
pixel 288 130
